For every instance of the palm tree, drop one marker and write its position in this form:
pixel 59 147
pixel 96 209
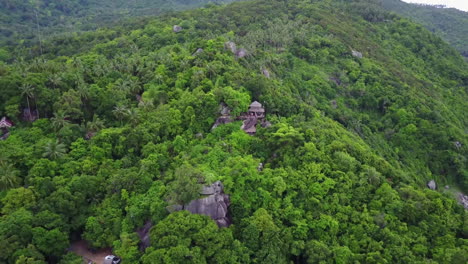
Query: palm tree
pixel 92 127
pixel 60 120
pixel 120 112
pixel 132 116
pixel 54 150
pixel 55 80
pixel 83 92
pixel 28 91
pixel 133 86
pixel 95 125
pixel 122 86
pixel 8 176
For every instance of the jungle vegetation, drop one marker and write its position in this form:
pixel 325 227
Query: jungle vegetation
pixel 448 23
pixel 125 116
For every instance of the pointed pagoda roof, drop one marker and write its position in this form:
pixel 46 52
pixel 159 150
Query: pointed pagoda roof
pixel 256 107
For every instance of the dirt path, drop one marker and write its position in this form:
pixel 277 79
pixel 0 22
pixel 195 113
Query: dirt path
pixel 81 248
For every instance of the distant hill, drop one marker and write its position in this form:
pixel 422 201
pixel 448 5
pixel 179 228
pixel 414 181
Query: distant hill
pixel 449 23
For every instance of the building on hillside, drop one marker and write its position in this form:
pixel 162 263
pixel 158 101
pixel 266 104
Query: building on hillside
pixel 5 124
pixel 254 116
pixel 256 109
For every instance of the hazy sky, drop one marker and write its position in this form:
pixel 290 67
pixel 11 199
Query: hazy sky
pixel 459 4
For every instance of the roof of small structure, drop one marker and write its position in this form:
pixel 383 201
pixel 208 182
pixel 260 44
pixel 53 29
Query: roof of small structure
pixel 4 122
pixel 256 107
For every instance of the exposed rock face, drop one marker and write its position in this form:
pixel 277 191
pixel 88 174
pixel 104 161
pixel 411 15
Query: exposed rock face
pixel 463 200
pixel 230 46
pixel 225 117
pixel 224 110
pixel 266 73
pixel 265 124
pixel 221 121
pixel 241 53
pixel 215 205
pixel 249 125
pixel 5 136
pixel 216 187
pixel 260 167
pixel 432 185
pixel 357 54
pixel 30 115
pixel 336 80
pixel 198 51
pixel 176 28
pixel 144 232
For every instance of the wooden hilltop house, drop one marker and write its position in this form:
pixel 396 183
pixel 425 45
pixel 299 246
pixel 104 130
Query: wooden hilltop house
pixel 254 116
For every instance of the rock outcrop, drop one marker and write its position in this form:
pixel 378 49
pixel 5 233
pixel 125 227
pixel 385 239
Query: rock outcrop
pixel 176 28
pixel 144 234
pixel 463 200
pixel 432 185
pixel 231 46
pixel 357 54
pixel 266 73
pixel 225 116
pixel 241 53
pixel 215 205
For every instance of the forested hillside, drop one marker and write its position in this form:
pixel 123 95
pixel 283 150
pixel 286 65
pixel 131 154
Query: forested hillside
pixel 448 23
pixel 113 128
pixel 22 21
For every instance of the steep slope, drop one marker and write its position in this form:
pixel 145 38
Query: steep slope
pixel 366 107
pixel 448 23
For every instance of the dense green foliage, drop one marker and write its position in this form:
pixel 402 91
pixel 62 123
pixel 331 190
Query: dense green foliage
pixel 21 20
pixel 448 23
pixel 353 141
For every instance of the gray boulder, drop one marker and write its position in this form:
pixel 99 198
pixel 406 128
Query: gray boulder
pixel 198 51
pixel 357 54
pixel 144 232
pixel 176 28
pixel 463 200
pixel 266 73
pixel 241 53
pixel 432 185
pixel 214 206
pixel 215 188
pixel 230 46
